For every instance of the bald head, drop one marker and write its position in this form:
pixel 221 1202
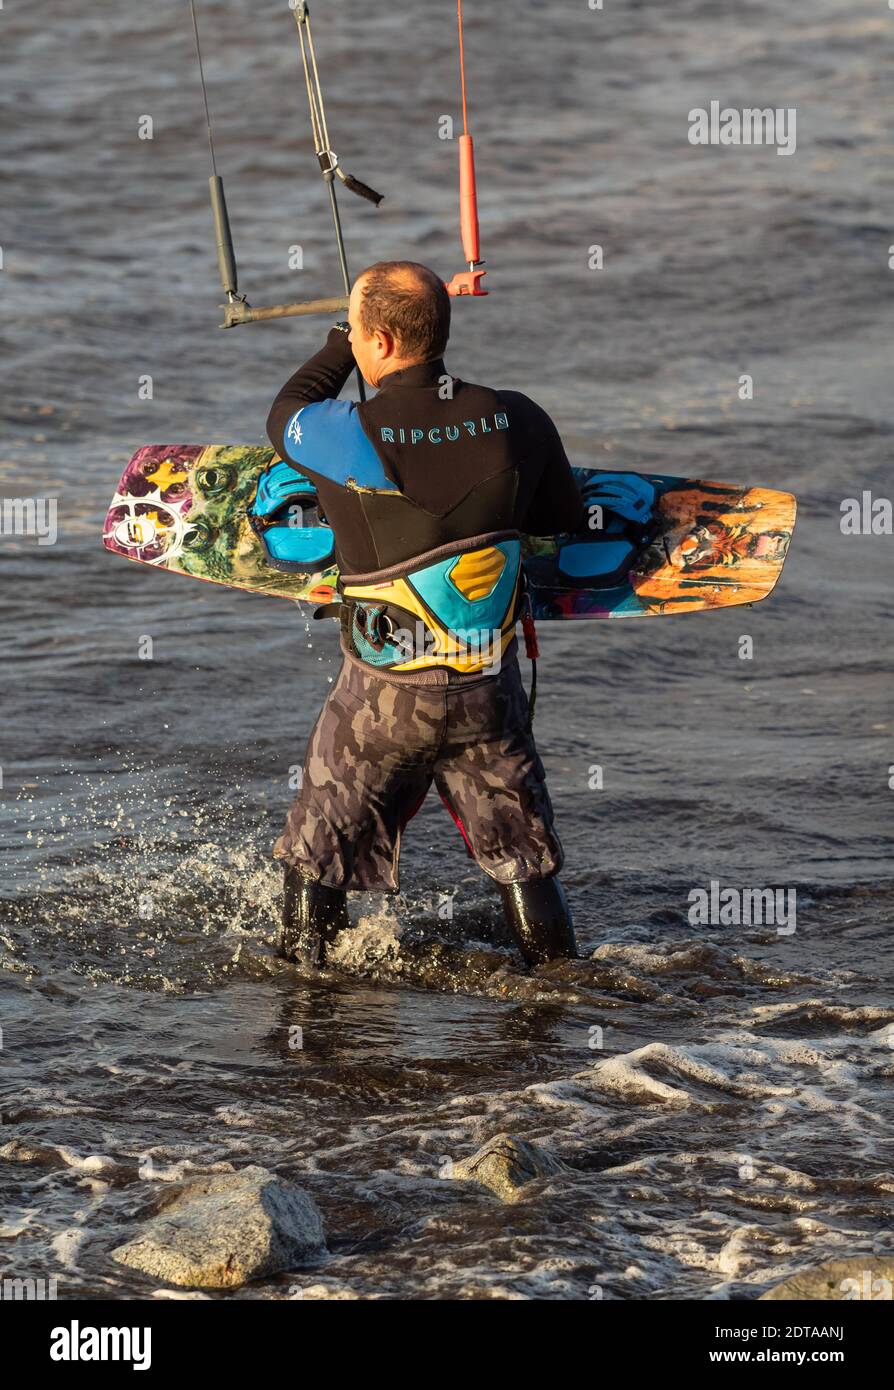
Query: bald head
pixel 399 315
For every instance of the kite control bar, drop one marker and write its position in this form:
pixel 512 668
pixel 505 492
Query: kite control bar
pixel 240 311
pixel 237 309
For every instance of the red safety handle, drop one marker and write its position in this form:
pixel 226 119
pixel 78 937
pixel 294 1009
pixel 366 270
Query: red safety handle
pixel 468 201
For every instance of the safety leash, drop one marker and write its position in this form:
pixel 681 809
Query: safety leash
pixel 532 652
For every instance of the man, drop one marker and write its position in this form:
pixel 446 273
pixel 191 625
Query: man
pixel 427 488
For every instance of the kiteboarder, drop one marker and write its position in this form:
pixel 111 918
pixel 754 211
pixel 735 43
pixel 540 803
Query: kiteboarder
pixel 427 488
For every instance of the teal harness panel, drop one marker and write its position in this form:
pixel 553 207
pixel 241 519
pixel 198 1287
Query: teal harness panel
pixel 384 635
pixel 467 618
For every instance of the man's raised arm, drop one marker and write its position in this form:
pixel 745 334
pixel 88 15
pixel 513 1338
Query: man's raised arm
pixel 320 379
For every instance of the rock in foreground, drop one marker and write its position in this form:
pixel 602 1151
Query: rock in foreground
pixel 506 1165
pixel 219 1232
pixel 867 1277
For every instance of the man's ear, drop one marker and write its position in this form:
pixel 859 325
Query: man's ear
pixel 384 343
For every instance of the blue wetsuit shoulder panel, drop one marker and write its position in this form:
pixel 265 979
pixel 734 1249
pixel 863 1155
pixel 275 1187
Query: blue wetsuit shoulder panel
pixel 327 438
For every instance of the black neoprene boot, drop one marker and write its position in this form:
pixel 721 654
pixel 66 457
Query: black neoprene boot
pixel 312 916
pixel 539 918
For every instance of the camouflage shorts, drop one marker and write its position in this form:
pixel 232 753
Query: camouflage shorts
pixel 373 755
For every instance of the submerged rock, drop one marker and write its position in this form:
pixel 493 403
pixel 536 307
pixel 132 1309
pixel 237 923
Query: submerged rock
pixel 22 1151
pixel 221 1231
pixel 58 1156
pixel 506 1165
pixel 868 1277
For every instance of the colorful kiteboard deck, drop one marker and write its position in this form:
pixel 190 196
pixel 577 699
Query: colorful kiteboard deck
pixel 653 544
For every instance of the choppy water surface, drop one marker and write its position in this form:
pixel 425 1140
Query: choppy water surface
pixel 735 1122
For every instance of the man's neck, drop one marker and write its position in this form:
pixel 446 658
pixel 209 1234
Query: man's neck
pixel 417 370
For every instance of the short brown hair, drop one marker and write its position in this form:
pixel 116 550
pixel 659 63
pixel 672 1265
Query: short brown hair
pixel 410 302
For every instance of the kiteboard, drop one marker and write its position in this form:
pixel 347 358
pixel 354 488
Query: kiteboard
pixel 651 545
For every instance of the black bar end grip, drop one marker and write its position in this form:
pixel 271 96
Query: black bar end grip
pixel 363 189
pixel 226 257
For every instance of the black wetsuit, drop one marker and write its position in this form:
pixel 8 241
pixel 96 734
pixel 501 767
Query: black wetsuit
pixel 541 499
pixel 470 460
